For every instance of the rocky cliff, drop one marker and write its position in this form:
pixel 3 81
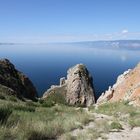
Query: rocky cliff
pixel 127 88
pixel 77 88
pixel 15 82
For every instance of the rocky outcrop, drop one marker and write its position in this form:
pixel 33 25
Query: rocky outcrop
pixel 16 82
pixel 77 88
pixel 126 88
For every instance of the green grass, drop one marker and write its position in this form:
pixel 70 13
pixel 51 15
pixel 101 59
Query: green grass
pixel 116 125
pixel 34 121
pixel 51 118
pixel 122 111
pixel 4 114
pixel 116 108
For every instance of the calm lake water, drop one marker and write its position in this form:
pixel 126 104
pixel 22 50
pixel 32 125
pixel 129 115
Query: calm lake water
pixel 46 64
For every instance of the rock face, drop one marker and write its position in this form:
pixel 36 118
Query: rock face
pixel 77 88
pixel 126 88
pixel 16 82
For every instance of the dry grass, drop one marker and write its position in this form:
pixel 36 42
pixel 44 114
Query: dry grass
pixel 30 120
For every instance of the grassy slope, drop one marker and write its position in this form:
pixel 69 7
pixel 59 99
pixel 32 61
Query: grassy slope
pixel 37 120
pixel 50 119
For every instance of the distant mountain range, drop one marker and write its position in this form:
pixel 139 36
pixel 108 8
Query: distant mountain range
pixel 117 44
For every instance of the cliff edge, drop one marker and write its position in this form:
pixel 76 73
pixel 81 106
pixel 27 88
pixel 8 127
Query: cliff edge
pixel 126 88
pixel 15 82
pixel 77 88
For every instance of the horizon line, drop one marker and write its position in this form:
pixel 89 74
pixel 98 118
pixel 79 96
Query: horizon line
pixel 13 43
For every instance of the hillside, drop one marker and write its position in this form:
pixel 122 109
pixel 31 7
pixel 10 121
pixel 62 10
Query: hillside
pixel 126 88
pixel 52 117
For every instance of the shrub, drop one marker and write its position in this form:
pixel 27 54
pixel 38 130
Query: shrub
pixel 35 135
pixel 134 123
pixel 133 113
pixel 56 98
pixel 47 103
pixel 13 98
pixel 114 108
pixel 13 120
pixel 116 125
pixel 4 114
pixel 2 97
pixel 24 108
pixel 6 134
pixel 32 104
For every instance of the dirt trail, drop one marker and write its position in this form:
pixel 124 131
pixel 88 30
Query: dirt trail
pixel 126 134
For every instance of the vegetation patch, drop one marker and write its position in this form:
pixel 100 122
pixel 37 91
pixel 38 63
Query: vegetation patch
pixel 4 114
pixel 116 125
pixel 31 120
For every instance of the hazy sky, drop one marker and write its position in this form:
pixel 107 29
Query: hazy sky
pixel 68 20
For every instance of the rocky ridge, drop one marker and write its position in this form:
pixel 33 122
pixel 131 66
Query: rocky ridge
pixel 126 88
pixel 77 88
pixel 15 82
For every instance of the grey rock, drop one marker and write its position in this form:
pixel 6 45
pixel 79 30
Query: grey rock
pixel 77 88
pixel 62 81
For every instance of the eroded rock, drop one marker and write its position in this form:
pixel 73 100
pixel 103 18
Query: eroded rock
pixel 126 88
pixel 77 88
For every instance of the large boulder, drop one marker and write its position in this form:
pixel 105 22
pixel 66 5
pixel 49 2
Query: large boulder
pixel 77 88
pixel 17 83
pixel 126 88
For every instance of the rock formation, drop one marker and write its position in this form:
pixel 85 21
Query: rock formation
pixel 77 88
pixel 15 82
pixel 126 88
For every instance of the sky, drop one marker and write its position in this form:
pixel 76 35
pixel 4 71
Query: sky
pixel 43 21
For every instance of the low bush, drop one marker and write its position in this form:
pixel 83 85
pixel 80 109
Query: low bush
pixel 4 114
pixel 13 120
pixel 13 98
pixel 116 125
pixel 56 98
pixel 134 123
pixel 2 97
pixel 24 108
pixel 47 103
pixel 114 108
pixel 35 135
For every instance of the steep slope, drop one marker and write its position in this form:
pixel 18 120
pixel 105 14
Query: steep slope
pixel 126 88
pixel 15 82
pixel 77 88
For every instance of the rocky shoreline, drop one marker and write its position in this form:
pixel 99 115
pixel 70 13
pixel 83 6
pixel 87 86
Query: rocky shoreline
pixel 68 111
pixel 77 88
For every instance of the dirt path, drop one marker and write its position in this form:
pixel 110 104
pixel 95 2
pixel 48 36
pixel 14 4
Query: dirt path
pixel 133 134
pixel 98 125
pixel 126 134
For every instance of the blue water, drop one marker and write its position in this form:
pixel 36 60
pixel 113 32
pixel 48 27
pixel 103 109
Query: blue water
pixel 46 64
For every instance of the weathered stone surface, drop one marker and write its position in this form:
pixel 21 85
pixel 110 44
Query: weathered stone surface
pixel 127 87
pixel 77 88
pixel 62 81
pixel 16 81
